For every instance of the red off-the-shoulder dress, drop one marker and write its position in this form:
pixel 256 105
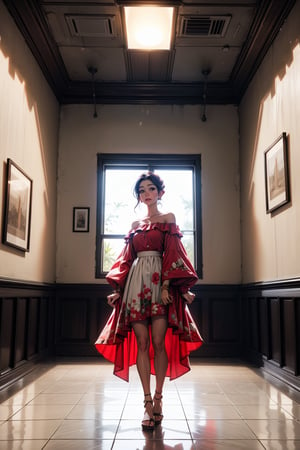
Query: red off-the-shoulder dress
pixel 117 342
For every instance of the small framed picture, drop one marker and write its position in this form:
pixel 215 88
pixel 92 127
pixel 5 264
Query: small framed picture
pixel 17 212
pixel 276 174
pixel 81 219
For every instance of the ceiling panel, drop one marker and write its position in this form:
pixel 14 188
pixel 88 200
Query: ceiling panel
pixel 69 36
pixel 110 63
pixel 189 63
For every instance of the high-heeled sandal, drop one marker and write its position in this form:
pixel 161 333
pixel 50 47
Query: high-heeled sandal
pixel 147 417
pixel 158 417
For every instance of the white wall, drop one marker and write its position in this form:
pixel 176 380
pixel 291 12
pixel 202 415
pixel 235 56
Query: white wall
pixel 29 115
pixel 159 130
pixel 271 242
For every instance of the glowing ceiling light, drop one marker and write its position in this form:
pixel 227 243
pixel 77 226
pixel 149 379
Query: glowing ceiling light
pixel 149 27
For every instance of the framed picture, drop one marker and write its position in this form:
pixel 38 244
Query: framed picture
pixel 81 219
pixel 276 174
pixel 17 214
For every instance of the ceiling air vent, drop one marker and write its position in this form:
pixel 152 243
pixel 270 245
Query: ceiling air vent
pixel 91 25
pixel 205 26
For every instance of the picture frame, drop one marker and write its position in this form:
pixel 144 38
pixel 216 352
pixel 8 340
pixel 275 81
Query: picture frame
pixel 81 219
pixel 17 211
pixel 276 174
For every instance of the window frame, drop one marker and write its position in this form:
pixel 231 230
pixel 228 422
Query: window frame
pixel 148 162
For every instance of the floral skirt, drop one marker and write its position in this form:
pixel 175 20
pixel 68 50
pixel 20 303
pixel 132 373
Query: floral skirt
pixel 140 301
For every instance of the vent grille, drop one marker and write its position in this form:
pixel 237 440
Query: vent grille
pixel 206 26
pixel 91 25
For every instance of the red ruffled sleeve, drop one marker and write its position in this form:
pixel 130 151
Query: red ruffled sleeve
pixel 176 265
pixel 117 275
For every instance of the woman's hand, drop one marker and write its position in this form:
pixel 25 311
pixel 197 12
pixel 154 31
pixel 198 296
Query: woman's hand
pixel 112 298
pixel 188 297
pixel 166 298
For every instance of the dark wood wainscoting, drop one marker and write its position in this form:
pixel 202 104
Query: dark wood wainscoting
pixel 259 323
pixel 271 317
pixel 26 327
pixel 81 312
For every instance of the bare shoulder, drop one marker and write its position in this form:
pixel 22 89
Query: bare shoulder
pixel 135 224
pixel 169 218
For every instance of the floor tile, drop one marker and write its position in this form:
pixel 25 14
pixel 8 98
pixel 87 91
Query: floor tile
pixel 22 398
pixel 96 412
pixel 43 412
pixel 239 387
pixel 26 429
pixel 86 429
pixel 66 387
pixel 80 405
pixel 87 444
pixel 56 399
pixel 281 445
pixel 275 429
pixel 228 445
pixel 263 412
pixel 193 411
pixel 170 412
pixel 279 397
pixel 168 444
pixel 7 411
pixel 22 445
pixel 220 429
pixel 172 429
pixel 206 399
pixel 91 398
pixel 293 410
pixel 203 388
pixel 252 398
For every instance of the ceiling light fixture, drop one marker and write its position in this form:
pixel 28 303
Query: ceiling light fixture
pixel 148 27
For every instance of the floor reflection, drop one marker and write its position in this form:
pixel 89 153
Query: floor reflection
pixel 81 405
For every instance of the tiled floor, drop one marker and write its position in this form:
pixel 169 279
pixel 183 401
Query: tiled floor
pixel 82 406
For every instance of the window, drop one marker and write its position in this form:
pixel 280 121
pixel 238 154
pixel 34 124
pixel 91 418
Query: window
pixel 116 210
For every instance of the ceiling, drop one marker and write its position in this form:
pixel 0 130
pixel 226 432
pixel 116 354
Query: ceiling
pixel 216 49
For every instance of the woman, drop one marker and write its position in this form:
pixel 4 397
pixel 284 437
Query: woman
pixel 151 325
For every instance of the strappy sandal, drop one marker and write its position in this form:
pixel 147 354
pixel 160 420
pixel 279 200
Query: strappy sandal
pixel 147 417
pixel 158 417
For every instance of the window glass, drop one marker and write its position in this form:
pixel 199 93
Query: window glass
pixel 119 201
pixel 179 197
pixel 117 205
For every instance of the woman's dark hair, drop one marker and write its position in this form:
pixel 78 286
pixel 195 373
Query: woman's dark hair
pixel 155 179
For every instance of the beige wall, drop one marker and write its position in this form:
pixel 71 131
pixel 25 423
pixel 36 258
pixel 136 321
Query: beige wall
pixel 29 115
pixel 29 118
pixel 153 129
pixel 271 242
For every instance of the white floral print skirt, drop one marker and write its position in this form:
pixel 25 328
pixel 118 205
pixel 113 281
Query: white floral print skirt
pixel 142 294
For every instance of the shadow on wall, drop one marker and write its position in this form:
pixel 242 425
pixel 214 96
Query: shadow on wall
pixel 30 136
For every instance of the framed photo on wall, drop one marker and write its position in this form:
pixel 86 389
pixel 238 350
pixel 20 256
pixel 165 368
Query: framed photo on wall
pixel 276 174
pixel 81 219
pixel 17 213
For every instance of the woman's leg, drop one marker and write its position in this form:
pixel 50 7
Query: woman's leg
pixel 143 366
pixel 159 329
pixel 143 362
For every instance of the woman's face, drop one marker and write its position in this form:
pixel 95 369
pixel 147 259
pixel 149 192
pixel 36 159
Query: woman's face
pixel 148 192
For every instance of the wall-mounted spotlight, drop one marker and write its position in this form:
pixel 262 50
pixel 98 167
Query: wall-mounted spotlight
pixel 205 73
pixel 93 70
